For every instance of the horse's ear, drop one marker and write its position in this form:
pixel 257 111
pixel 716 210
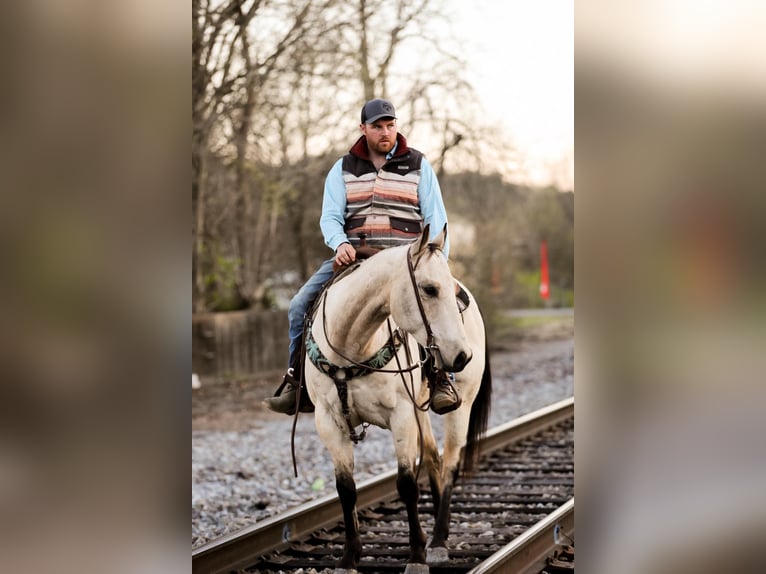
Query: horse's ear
pixel 420 243
pixel 441 239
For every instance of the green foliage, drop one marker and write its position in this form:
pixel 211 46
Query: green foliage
pixel 527 292
pixel 509 222
pixel 499 258
pixel 563 297
pixel 527 289
pixel 221 285
pixel 267 128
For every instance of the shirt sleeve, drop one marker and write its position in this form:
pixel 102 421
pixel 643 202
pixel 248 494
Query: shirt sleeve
pixel 431 202
pixel 334 207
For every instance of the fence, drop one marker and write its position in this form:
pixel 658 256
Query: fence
pixel 239 342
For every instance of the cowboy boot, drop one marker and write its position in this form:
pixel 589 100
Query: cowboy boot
pixel 284 402
pixel 444 396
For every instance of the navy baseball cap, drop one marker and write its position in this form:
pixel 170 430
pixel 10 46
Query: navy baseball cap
pixel 376 109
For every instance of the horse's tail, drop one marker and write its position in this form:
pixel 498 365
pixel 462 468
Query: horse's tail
pixel 477 424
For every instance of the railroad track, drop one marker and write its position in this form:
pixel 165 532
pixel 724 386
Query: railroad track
pixel 503 518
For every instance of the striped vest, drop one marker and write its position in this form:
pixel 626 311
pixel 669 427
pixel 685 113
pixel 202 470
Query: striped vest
pixel 383 205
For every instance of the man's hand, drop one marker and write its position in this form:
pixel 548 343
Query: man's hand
pixel 345 255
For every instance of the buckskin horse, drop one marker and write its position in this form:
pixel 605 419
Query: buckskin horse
pixel 363 367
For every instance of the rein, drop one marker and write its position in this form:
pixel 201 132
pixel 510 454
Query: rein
pixel 365 366
pixel 342 375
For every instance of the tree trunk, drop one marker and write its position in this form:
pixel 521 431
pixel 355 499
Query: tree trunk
pixel 244 213
pixel 368 83
pixel 199 149
pixel 199 196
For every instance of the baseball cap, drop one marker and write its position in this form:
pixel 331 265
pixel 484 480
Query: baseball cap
pixel 376 109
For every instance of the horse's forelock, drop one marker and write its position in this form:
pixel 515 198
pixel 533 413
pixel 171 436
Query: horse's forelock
pixel 433 248
pixel 422 254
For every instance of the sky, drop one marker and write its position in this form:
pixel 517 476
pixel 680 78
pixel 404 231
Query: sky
pixel 520 56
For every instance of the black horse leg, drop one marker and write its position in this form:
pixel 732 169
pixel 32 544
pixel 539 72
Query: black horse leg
pixel 408 490
pixel 352 550
pixel 441 526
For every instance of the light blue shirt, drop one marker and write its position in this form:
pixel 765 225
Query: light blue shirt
pixel 334 204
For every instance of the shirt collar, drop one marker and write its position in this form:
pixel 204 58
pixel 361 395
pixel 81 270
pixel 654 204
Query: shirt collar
pixel 390 154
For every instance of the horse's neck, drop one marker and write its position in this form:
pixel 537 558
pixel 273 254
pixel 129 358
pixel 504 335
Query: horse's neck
pixel 357 306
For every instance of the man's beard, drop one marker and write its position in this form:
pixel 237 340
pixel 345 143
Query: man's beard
pixel 383 147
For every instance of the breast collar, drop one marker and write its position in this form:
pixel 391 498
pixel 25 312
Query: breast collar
pixel 337 373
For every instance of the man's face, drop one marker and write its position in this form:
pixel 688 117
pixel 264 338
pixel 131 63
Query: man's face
pixel 380 134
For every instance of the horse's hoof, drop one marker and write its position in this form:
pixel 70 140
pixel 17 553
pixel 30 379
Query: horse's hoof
pixel 437 555
pixel 344 571
pixel 414 568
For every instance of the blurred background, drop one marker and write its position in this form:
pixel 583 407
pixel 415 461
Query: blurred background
pixel 670 281
pixel 277 90
pixel 670 126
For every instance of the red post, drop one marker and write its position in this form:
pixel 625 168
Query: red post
pixel 544 282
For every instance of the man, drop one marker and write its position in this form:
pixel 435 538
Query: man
pixel 381 192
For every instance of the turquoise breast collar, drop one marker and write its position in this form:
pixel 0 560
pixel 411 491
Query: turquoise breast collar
pixel 377 362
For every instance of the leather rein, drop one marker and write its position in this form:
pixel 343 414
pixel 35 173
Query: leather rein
pixel 341 375
pixel 430 344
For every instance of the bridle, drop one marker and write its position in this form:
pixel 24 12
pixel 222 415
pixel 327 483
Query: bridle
pixel 431 346
pixel 342 375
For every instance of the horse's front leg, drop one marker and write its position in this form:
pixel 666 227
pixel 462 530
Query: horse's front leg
pixel 409 492
pixel 406 445
pixel 430 456
pixel 342 452
pixel 437 550
pixel 352 549
pixel 456 425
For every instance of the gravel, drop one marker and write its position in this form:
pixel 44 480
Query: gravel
pixel 241 464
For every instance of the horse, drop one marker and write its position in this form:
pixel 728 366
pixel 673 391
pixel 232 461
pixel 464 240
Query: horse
pixel 363 367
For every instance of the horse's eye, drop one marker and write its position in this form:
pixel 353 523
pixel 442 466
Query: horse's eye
pixel 430 290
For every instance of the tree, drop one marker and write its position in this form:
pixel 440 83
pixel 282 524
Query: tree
pixel 275 87
pixel 215 73
pixel 229 73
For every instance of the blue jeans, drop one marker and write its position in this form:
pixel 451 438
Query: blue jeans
pixel 299 305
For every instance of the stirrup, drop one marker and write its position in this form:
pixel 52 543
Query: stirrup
pixel 284 402
pixel 445 386
pixel 287 381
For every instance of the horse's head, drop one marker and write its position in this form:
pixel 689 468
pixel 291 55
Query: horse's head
pixel 423 303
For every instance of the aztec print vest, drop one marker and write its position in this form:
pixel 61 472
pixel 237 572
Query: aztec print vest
pixel 383 205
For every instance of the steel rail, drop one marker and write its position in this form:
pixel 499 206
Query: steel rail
pixel 238 549
pixel 527 425
pixel 526 554
pixel 241 548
